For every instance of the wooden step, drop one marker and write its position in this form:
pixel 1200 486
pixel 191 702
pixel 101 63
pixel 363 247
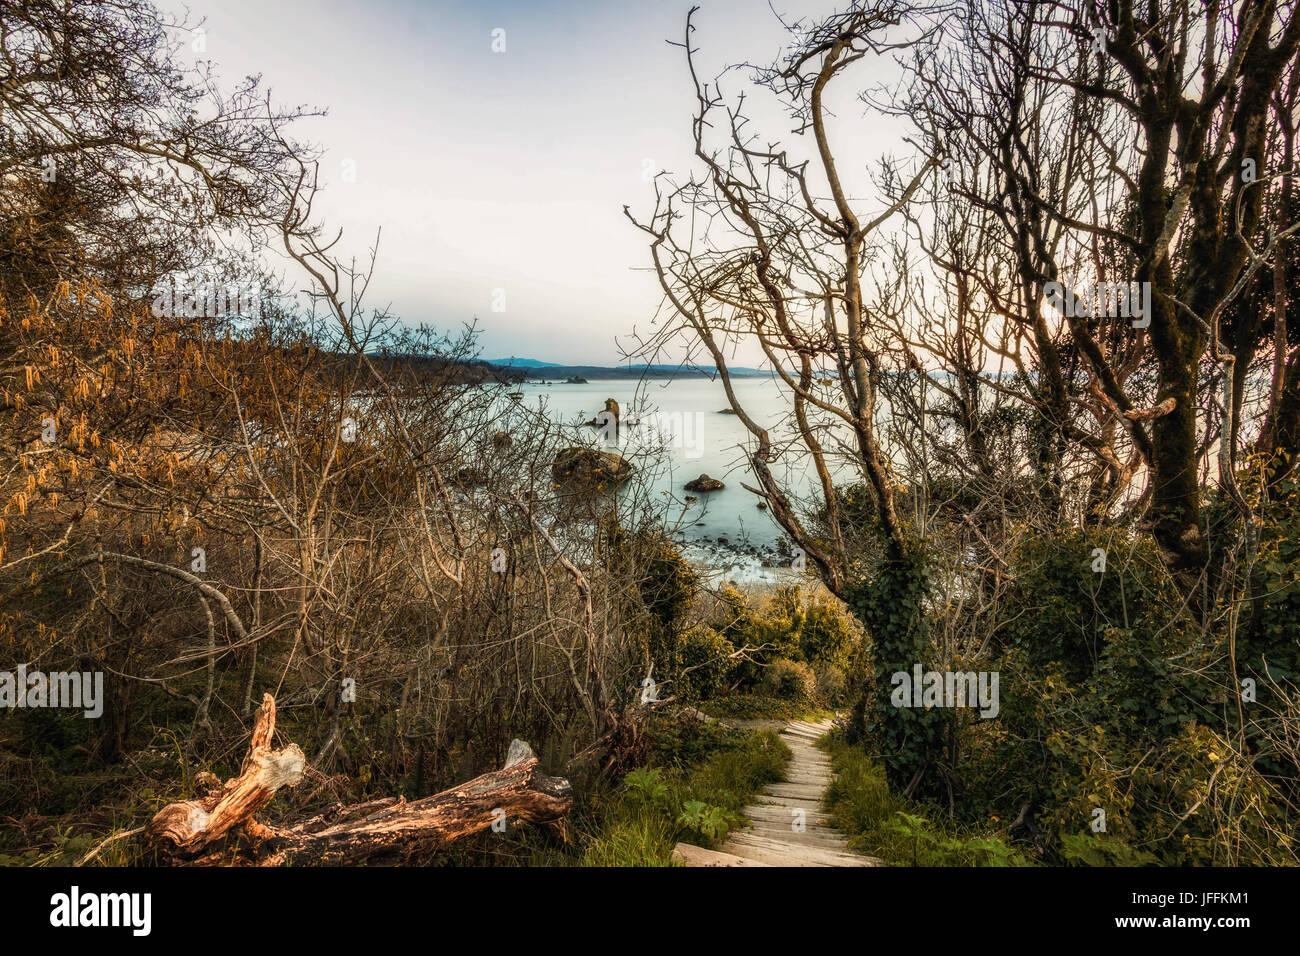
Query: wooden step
pixel 688 854
pixel 768 858
pixel 790 854
pixel 828 839
pixel 796 791
pixel 781 814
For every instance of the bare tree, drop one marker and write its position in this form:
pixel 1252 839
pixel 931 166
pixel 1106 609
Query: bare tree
pixel 748 252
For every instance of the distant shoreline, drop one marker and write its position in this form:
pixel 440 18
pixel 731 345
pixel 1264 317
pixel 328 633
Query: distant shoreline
pixel 548 374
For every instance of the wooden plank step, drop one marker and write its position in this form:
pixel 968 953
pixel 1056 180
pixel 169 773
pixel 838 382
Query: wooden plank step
pixel 775 850
pixel 826 839
pixel 811 797
pixel 741 841
pixel 688 854
pixel 781 814
pixel 767 858
pixel 784 821
pixel 796 791
pixel 809 737
pixel 803 780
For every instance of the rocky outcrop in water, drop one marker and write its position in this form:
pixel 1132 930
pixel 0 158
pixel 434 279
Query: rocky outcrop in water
pixel 601 420
pixel 704 483
pixel 590 466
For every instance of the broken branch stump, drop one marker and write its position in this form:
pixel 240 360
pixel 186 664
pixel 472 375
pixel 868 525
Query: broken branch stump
pixel 193 825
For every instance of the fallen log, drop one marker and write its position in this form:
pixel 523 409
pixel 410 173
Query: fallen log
pixel 390 828
pixel 518 791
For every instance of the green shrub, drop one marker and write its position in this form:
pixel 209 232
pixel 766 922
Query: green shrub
pixel 704 664
pixel 832 686
pixel 1090 849
pixel 793 624
pixel 1108 697
pixel 791 680
pixel 1268 638
pixel 646 785
pixel 878 822
pixel 1063 612
pixel 708 823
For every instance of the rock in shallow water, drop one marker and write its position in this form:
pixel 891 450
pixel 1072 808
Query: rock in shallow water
pixel 704 483
pixel 590 466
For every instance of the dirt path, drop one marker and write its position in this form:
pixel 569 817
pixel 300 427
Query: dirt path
pixel 789 827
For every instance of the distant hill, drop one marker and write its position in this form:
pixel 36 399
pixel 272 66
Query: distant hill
pixel 513 362
pixel 552 371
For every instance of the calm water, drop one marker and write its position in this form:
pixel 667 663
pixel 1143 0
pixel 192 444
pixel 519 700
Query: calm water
pixel 682 417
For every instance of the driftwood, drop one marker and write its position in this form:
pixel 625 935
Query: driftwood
pixel 390 827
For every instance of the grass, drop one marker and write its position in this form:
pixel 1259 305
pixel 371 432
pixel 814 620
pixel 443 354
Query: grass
pixel 879 822
pixel 699 778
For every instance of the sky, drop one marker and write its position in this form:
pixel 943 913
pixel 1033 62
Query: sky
pixel 495 180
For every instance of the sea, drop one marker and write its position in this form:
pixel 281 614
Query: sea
pixel 675 430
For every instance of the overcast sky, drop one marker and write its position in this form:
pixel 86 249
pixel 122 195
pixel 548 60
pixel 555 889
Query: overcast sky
pixel 489 170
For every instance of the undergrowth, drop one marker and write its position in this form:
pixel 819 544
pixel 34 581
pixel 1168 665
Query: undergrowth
pixel 692 789
pixel 880 823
